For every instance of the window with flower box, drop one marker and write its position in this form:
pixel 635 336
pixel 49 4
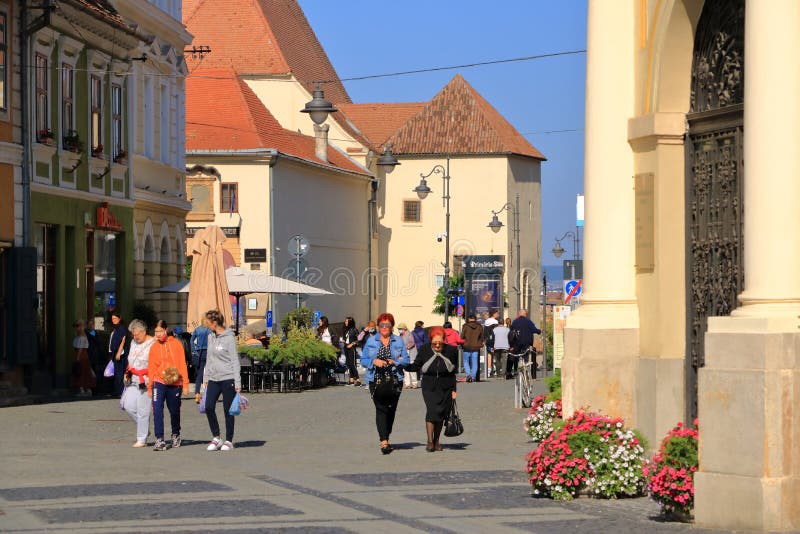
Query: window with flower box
pixel 117 142
pixel 67 98
pixel 96 102
pixel 3 60
pixel 42 95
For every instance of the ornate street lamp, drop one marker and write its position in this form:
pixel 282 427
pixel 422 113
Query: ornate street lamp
pixel 422 190
pixel 496 225
pixel 318 107
pixel 558 250
pixel 387 161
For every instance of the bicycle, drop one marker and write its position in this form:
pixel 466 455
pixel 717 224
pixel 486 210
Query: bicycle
pixel 524 377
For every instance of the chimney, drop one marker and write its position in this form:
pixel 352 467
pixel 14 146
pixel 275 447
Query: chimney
pixel 321 141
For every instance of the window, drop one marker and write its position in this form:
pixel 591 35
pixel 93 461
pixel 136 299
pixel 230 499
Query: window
pixel 149 113
pixel 164 129
pixel 67 99
pixel 117 141
pixel 412 211
pixel 97 114
pixel 42 124
pixel 229 201
pixel 3 60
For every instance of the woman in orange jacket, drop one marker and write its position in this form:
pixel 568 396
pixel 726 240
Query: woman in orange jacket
pixel 168 378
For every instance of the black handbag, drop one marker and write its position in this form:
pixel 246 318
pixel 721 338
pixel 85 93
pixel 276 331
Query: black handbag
pixel 386 382
pixel 452 424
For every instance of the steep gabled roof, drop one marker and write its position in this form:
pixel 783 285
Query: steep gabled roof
pixel 458 120
pixel 262 37
pixel 379 121
pixel 223 113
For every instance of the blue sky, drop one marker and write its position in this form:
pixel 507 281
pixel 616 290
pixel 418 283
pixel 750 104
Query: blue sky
pixel 364 37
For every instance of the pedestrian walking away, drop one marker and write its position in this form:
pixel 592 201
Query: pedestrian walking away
pixel 438 363
pixel 472 333
pixel 350 341
pixel 500 349
pixel 409 379
pixel 199 344
pixel 222 377
pixel 134 400
pixel 83 377
pixel 116 350
pixel 522 331
pixel 451 336
pixel 382 356
pixel 168 377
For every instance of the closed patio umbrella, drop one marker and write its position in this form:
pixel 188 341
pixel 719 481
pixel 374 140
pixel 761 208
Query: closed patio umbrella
pixel 208 287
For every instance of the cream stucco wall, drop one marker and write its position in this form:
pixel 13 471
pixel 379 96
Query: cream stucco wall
pixel 284 97
pixel 410 255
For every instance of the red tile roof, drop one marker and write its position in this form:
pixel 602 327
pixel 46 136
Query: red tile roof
pixel 106 12
pixel 379 121
pixel 223 113
pixel 262 37
pixel 458 120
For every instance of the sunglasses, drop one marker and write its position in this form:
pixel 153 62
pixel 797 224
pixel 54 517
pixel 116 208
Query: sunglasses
pixel 385 325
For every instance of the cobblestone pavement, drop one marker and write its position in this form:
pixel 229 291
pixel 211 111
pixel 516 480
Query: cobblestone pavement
pixel 304 463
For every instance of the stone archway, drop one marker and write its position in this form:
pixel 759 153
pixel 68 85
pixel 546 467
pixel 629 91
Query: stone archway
pixel 714 179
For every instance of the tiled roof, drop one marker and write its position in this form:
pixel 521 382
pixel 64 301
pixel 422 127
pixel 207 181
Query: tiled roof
pixel 262 37
pixel 223 113
pixel 458 120
pixel 103 10
pixel 379 121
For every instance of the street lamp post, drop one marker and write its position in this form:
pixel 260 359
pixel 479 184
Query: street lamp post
pixel 422 190
pixel 558 250
pixel 496 225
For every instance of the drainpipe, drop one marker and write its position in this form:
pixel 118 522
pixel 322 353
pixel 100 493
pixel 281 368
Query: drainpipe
pixel 273 302
pixel 371 203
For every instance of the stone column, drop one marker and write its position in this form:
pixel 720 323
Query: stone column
pixel 601 342
pixel 749 413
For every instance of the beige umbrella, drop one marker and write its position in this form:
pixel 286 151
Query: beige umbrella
pixel 208 287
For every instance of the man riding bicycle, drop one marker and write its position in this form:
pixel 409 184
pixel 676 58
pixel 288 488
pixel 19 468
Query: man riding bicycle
pixel 521 341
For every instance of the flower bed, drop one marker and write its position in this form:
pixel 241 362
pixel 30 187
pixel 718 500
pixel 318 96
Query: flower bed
pixel 539 421
pixel 588 452
pixel 670 478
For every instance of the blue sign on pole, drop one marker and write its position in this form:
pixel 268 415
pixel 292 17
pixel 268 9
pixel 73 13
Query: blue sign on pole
pixel 317 315
pixel 269 318
pixel 461 300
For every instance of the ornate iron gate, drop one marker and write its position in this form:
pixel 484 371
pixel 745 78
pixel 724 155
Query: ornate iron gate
pixel 714 194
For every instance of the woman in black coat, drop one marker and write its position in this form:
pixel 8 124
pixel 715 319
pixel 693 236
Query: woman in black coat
pixel 437 363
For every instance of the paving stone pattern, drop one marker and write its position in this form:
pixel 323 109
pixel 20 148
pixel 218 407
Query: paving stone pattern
pixel 305 463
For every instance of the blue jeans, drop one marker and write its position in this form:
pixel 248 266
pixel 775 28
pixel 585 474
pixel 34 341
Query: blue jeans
pixel 172 396
pixel 471 363
pixel 199 368
pixel 226 388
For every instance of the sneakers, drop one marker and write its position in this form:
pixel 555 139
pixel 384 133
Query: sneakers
pixel 176 441
pixel 227 446
pixel 139 445
pixel 160 445
pixel 215 445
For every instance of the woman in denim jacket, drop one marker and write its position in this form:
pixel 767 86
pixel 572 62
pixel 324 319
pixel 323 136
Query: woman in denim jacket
pixel 379 351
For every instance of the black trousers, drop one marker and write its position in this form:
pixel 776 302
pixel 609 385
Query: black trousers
pixel 350 356
pixel 385 410
pixel 227 389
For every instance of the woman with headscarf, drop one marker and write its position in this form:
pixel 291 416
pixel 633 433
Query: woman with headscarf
pixel 382 351
pixel 134 398
pixel 438 363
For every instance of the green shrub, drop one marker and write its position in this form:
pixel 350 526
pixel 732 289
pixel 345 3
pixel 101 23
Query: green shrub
pixel 553 386
pixel 298 318
pixel 301 346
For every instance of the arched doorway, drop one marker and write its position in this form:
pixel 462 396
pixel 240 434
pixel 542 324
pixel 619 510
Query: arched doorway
pixel 714 178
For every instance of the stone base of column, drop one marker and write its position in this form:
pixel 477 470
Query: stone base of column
pixel 749 477
pixel 601 356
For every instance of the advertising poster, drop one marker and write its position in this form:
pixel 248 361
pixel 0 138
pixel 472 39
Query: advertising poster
pixel 483 296
pixel 560 314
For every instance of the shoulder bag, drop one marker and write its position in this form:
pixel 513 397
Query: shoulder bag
pixel 452 425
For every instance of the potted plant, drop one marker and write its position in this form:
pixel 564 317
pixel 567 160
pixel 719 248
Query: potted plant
pixel 670 477
pixel 122 157
pixel 97 152
pixel 72 141
pixel 46 136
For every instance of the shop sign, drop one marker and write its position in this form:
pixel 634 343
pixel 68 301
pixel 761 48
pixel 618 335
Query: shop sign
pixel 106 219
pixel 484 264
pixel 255 255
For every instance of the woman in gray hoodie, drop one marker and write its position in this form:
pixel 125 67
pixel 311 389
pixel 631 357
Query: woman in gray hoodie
pixel 221 376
